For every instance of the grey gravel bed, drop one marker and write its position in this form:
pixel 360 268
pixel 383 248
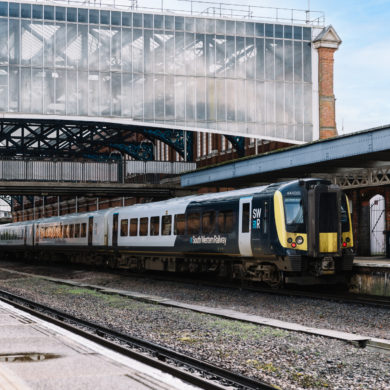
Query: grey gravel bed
pixel 290 360
pixel 353 318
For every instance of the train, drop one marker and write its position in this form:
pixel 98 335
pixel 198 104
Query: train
pixel 297 232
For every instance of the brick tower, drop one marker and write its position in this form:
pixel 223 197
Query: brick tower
pixel 327 42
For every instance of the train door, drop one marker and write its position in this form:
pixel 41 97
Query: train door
pixel 244 226
pixel 90 230
pixel 260 225
pixel 324 220
pixel 36 234
pixel 115 229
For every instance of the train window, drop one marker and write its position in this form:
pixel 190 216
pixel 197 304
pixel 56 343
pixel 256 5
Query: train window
pixel 58 231
pixel 344 214
pixel 293 208
pixel 124 227
pixel 154 226
pixel 193 223
pixel 71 230
pixel 143 226
pixel 225 221
pixel 166 225
pixel 180 224
pixel 83 232
pixel 328 212
pixel 208 222
pixel 77 230
pixel 245 218
pixel 133 227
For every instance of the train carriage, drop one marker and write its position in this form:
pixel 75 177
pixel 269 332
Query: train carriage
pixel 294 232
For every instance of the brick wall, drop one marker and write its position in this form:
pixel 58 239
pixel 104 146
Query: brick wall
pixel 326 96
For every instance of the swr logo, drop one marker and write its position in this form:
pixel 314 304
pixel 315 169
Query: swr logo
pixel 256 213
pixel 256 216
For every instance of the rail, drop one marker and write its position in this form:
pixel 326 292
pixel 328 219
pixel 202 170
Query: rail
pixel 194 371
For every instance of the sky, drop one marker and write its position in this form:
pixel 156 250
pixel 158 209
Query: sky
pixel 362 63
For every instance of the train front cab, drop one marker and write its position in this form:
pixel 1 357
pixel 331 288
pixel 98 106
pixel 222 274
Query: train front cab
pixel 314 231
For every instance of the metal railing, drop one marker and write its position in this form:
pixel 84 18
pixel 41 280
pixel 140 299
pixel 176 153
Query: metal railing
pixel 89 171
pixel 74 171
pixel 206 8
pixel 158 167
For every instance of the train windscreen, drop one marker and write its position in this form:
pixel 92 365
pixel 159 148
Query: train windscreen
pixel 294 215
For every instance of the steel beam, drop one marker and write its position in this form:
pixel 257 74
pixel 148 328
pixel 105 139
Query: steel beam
pixel 70 138
pixel 91 189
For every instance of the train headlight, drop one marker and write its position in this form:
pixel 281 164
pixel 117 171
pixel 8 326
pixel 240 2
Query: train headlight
pixel 289 240
pixel 348 239
pixel 299 240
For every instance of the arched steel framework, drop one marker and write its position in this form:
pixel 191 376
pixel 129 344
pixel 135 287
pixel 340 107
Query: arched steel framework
pixel 69 138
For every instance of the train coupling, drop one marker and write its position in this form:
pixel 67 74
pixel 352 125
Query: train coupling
pixel 326 266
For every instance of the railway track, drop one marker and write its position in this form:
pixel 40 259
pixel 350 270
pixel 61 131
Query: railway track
pixel 320 293
pixel 367 300
pixel 191 370
pixel 343 297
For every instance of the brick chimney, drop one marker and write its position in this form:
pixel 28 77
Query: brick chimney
pixel 327 42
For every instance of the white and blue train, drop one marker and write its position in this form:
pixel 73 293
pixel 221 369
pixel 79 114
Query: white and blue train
pixel 293 232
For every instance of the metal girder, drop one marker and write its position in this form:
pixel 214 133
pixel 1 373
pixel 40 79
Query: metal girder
pixel 139 150
pixel 238 143
pixel 69 138
pixel 180 140
pixel 370 177
pixel 62 138
pixel 18 198
pixel 91 189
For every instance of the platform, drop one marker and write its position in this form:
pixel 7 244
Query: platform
pixel 371 276
pixel 37 355
pixel 373 261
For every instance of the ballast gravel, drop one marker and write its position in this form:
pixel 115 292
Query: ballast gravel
pixel 290 360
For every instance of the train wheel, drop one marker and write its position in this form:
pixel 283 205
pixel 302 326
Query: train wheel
pixel 111 263
pixel 277 279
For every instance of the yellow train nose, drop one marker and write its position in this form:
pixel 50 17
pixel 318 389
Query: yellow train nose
pixel 328 242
